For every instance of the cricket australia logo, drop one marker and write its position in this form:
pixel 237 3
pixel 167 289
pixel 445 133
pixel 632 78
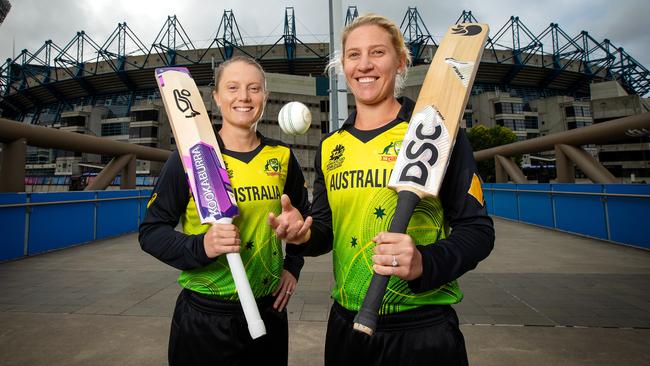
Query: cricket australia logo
pixel 336 157
pixel 390 151
pixel 272 167
pixel 182 99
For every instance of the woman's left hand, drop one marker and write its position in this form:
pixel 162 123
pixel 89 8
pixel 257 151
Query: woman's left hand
pixel 396 255
pixel 285 289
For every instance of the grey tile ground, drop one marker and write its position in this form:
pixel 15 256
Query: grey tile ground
pixel 108 303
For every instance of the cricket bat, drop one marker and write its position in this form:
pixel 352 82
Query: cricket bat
pixel 206 171
pixel 422 161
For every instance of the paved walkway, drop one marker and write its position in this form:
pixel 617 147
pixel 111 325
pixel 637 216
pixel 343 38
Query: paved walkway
pixel 542 298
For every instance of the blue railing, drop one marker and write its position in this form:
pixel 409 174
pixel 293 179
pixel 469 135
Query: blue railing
pixel 32 223
pixel 615 212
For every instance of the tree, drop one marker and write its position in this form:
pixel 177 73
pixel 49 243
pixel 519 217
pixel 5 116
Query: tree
pixel 483 138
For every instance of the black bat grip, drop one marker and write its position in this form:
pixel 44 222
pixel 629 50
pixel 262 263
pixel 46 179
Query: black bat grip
pixel 366 319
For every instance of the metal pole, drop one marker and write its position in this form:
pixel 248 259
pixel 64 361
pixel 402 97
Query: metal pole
pixel 553 206
pixel 334 103
pixel 341 85
pixel 338 88
pixel 95 216
pixel 28 213
pixel 604 201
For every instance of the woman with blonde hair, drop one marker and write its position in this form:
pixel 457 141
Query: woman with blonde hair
pixel 353 207
pixel 208 326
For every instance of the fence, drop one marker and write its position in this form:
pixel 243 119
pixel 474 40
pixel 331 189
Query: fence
pixel 613 212
pixel 33 223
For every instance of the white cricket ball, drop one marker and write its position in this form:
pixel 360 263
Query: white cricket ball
pixel 294 118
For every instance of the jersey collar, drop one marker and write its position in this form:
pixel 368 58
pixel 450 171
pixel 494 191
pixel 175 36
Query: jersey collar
pixel 244 156
pixel 404 113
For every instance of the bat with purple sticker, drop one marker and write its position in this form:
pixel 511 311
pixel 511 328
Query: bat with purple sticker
pixel 206 171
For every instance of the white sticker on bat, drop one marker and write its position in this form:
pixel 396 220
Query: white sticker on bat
pixel 422 160
pixel 462 69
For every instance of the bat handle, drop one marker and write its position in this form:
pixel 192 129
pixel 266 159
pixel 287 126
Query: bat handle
pixel 366 319
pixel 255 323
pixel 251 312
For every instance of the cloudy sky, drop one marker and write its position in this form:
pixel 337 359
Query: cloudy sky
pixel 31 22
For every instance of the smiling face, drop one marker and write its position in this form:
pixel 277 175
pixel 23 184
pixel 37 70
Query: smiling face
pixel 370 64
pixel 240 95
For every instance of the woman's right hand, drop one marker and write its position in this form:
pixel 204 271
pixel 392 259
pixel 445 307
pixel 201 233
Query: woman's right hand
pixel 289 225
pixel 221 239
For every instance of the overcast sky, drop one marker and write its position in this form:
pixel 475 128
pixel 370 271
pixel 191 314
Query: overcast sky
pixel 31 22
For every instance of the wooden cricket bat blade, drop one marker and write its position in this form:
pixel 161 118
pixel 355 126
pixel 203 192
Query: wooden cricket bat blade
pixel 438 111
pixel 197 145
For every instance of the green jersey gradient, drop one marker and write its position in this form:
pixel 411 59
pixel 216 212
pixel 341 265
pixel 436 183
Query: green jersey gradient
pixel 356 182
pixel 258 185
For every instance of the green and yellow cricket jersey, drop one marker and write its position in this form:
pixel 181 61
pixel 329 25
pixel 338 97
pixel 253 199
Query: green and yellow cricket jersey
pixel 356 166
pixel 258 185
pixel 351 204
pixel 258 178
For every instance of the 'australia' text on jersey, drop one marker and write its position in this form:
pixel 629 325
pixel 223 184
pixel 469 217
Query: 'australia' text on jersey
pixel 257 193
pixel 370 178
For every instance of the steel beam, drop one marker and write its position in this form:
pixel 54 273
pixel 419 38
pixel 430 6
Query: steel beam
pixel 70 141
pixel 119 164
pixel 595 134
pixel 510 168
pixel 564 169
pixel 592 168
pixel 12 178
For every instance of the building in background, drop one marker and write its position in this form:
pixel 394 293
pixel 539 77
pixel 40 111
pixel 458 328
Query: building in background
pixel 629 159
pixel 519 85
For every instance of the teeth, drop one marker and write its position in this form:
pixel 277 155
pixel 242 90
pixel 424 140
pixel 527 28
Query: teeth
pixel 367 80
pixel 243 109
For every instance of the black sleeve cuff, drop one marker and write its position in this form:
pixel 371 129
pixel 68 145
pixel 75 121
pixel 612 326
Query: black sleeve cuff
pixel 293 264
pixel 199 252
pixel 320 242
pixel 418 285
pixel 450 258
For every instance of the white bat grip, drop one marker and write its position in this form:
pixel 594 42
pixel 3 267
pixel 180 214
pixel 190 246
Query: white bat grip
pixel 255 323
pixel 251 312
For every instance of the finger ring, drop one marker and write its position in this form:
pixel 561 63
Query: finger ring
pixel 289 292
pixel 394 264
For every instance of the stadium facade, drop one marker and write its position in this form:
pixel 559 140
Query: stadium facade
pixel 534 84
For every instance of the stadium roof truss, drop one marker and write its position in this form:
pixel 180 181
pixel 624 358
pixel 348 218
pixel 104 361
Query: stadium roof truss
pixel 514 55
pixel 171 39
pixel 416 35
pixel 228 38
pixel 555 60
pixel 351 14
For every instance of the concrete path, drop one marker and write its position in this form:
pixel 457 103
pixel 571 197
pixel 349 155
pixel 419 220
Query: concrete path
pixel 542 298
